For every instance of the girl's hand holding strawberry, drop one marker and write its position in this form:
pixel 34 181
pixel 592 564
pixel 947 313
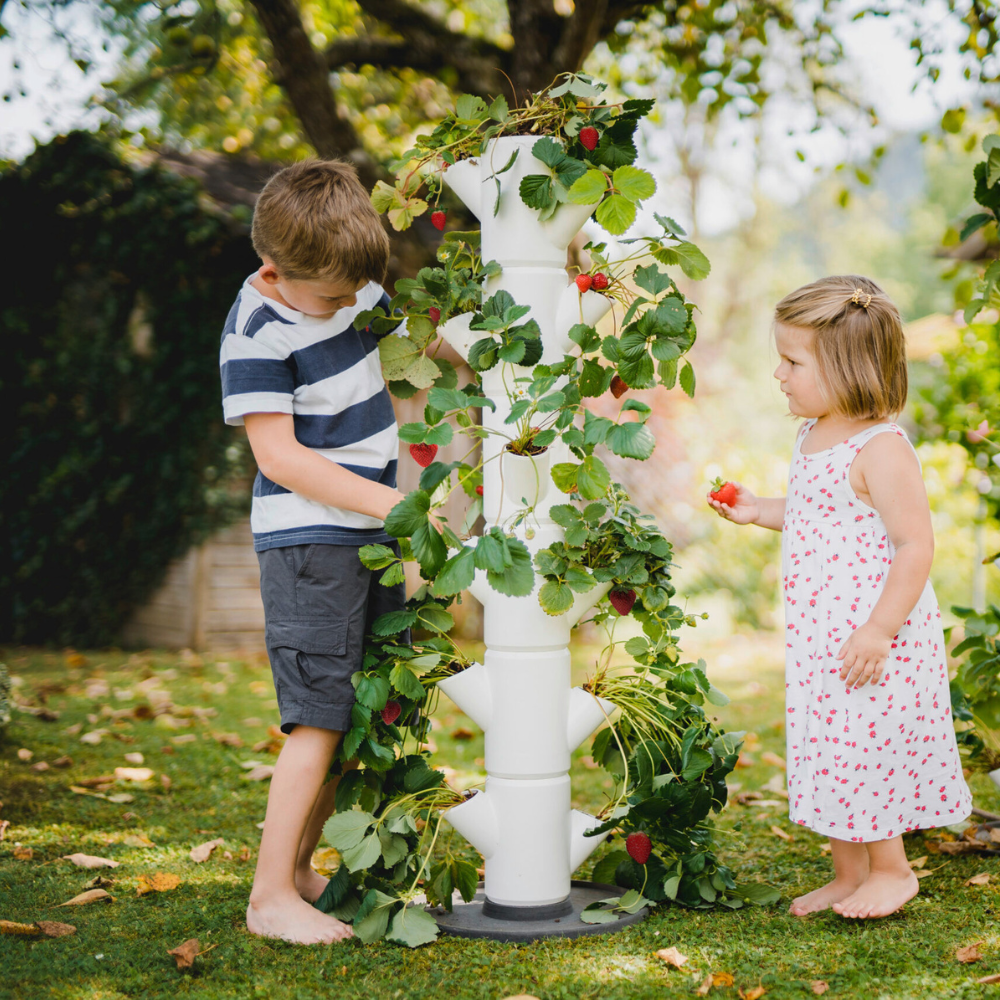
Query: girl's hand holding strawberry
pixel 864 655
pixel 744 508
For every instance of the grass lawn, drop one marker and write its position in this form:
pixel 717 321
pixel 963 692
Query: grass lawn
pixel 199 792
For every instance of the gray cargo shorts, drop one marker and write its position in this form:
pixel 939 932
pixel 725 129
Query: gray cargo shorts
pixel 319 604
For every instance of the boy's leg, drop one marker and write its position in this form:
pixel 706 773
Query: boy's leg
pixel 850 869
pixel 276 909
pixel 308 881
pixel 889 886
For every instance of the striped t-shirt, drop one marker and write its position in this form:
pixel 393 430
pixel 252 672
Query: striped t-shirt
pixel 327 375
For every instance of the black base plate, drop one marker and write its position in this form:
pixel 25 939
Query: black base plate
pixel 467 919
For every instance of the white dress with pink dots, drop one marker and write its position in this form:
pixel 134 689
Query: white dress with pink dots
pixel 871 763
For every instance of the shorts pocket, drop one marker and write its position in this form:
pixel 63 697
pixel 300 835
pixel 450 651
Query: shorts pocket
pixel 314 658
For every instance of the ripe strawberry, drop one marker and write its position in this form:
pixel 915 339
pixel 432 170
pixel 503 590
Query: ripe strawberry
pixel 479 491
pixel 438 219
pixel 583 282
pixel 600 281
pixel 391 712
pixel 423 454
pixel 435 314
pixel 622 601
pixel 618 387
pixel 639 847
pixel 723 492
pixel 589 137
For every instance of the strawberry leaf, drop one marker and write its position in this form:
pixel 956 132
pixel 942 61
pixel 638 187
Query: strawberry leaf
pixel 634 183
pixel 456 574
pixel 555 598
pixel 616 214
pixel 588 189
pixel 413 926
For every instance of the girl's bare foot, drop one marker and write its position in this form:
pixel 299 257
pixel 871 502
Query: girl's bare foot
pixel 883 892
pixel 293 919
pixel 310 884
pixel 824 897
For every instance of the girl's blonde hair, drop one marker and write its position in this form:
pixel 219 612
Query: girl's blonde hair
pixel 858 343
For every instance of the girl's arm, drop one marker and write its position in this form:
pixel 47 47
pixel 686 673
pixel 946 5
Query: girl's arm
pixel 886 475
pixel 767 512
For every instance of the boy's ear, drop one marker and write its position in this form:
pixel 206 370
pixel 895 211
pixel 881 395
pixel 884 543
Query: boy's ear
pixel 268 272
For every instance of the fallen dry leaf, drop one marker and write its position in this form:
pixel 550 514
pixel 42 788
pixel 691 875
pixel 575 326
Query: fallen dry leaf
pixel 23 853
pixel 203 851
pixel 52 928
pixel 260 773
pixel 22 930
pixel 463 734
pixel 778 832
pixel 137 840
pixel 99 882
pixel 133 773
pixel 326 860
pixel 4 824
pixel 24 754
pixel 745 760
pixel 918 862
pixel 982 879
pixel 671 956
pixel 63 761
pixel 185 954
pixel 228 739
pixel 90 896
pixel 165 780
pixel 90 861
pixel 819 987
pixel 775 760
pixel 970 953
pixel 706 985
pixel 41 766
pixel 753 994
pixel 245 854
pixel 103 779
pixel 722 979
pixel 987 980
pixel 135 758
pixel 157 882
pixel 93 737
pixel 953 847
pixel 927 874
pixel 519 996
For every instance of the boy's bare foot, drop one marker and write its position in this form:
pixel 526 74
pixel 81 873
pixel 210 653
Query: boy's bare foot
pixel 293 919
pixel 310 884
pixel 882 893
pixel 824 897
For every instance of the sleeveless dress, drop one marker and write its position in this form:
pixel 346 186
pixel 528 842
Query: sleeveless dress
pixel 875 762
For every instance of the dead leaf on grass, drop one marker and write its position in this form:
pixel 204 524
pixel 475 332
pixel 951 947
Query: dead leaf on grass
pixel 137 840
pixel 4 824
pixel 23 853
pixel 745 760
pixel 21 930
pixel 917 862
pixel 671 956
pixel 203 851
pixel 778 832
pixel 103 779
pixel 722 979
pixel 99 882
pixel 157 882
pixel 185 954
pixel 133 773
pixel 135 758
pixel 954 847
pixel 970 953
pixel 260 773
pixel 706 985
pixel 90 896
pixel 987 980
pixel 326 860
pixel 63 761
pixel 519 996
pixel 819 986
pixel 982 879
pixel 463 734
pixel 90 861
pixel 245 854
pixel 754 993
pixel 53 928
pixel 25 754
pixel 775 760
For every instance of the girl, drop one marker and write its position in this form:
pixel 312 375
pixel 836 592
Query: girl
pixel 870 737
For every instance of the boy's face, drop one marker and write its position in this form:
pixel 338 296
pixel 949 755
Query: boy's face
pixel 318 297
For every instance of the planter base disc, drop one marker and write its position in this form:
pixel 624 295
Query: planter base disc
pixel 467 919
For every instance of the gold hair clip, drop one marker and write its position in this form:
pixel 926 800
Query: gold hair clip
pixel 856 298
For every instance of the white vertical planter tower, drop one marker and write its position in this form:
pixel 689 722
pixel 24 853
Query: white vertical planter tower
pixel 520 695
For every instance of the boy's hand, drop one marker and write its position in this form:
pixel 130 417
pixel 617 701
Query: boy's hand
pixel 745 510
pixel 864 655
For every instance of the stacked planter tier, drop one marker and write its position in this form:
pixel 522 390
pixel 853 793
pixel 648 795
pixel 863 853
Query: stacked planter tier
pixel 520 695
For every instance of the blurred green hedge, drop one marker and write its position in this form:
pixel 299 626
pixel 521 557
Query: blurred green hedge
pixel 116 458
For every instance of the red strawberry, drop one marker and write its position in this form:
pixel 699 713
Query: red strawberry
pixel 583 282
pixel 438 219
pixel 600 281
pixel 589 137
pixel 423 454
pixel 435 314
pixel 639 847
pixel 618 387
pixel 723 492
pixel 622 601
pixel 479 491
pixel 391 712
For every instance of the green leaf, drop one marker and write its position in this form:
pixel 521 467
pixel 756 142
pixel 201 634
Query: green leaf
pixel 491 553
pixel 393 621
pixel 409 514
pixel 429 549
pixel 413 925
pixel 344 830
pixel 393 576
pixel 548 151
pixel 687 378
pixel 564 476
pixel 499 111
pixel 372 691
pixel 598 915
pixel 693 262
pixel 394 848
pixel 397 355
pixel 465 878
pixel 637 371
pixel 652 279
pixel 470 108
pixel 555 597
pixel 762 895
pixel 634 183
pixel 457 573
pixel 406 682
pixel 973 224
pixel 604 870
pixel 699 762
pixel 586 337
pixel 592 478
pixel 483 354
pixel 631 440
pixel 632 901
pixel 513 352
pixel 372 926
pixel 588 189
pixel 616 214
pixel 376 556
pixel 536 191
pixel 518 579
pixel 595 378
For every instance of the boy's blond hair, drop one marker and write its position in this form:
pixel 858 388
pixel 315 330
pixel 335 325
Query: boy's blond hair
pixel 858 342
pixel 314 220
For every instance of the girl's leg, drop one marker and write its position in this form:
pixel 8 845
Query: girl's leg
pixel 850 869
pixel 308 881
pixel 890 883
pixel 276 909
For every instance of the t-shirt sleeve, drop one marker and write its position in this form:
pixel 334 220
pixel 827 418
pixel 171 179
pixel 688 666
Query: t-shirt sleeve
pixel 255 379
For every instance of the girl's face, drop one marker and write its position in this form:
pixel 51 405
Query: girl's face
pixel 798 371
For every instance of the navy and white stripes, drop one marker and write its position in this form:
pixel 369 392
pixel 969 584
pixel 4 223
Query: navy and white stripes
pixel 327 375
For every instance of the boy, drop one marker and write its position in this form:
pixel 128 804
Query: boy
pixel 308 386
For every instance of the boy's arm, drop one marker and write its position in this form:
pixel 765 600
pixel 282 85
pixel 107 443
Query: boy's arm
pixel 288 463
pixel 766 512
pixel 891 477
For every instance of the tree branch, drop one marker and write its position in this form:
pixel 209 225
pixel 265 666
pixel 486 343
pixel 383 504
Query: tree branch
pixel 426 45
